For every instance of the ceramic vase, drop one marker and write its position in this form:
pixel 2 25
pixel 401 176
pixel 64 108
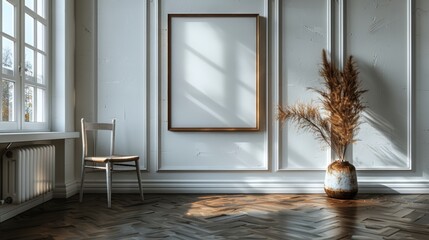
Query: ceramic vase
pixel 341 180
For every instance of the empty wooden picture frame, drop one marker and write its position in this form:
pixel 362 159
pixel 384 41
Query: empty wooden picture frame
pixel 213 72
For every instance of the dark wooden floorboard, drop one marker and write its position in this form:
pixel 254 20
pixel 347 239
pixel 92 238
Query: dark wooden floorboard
pixel 238 216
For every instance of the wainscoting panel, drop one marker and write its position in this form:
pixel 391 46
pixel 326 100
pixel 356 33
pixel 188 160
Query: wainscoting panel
pixel 122 81
pixel 378 36
pixel 304 33
pixel 209 151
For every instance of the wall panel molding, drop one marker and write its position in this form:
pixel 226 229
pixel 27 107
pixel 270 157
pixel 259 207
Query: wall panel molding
pixel 337 47
pixel 330 21
pixel 201 152
pixel 122 74
pixel 155 33
pixel 411 73
pixel 341 23
pixel 380 26
pixel 276 49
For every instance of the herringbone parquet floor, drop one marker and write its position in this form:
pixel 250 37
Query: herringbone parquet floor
pixel 241 216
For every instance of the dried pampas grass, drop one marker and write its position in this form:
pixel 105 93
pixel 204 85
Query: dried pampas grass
pixel 341 100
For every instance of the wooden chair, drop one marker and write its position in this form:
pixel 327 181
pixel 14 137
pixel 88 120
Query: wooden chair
pixel 106 163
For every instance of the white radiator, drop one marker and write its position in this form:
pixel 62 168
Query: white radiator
pixel 28 172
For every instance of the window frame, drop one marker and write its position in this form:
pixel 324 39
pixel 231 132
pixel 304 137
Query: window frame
pixel 19 124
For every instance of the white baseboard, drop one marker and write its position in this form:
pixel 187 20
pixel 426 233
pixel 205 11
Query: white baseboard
pixel 66 190
pixel 195 186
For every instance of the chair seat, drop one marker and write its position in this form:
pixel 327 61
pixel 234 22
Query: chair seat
pixel 115 158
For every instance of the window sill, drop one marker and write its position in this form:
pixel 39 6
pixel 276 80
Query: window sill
pixel 35 136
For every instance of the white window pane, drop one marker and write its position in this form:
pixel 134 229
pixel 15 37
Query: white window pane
pixel 29 4
pixel 40 68
pixel 41 36
pixel 29 104
pixel 29 30
pixel 40 105
pixel 8 56
pixel 29 64
pixel 8 101
pixel 8 18
pixel 41 8
pixel 24 38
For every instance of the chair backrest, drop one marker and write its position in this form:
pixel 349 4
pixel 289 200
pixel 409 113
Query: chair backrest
pixel 87 127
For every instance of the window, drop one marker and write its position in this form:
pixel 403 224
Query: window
pixel 25 58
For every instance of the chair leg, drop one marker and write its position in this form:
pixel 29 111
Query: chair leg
pixel 139 178
pixel 82 179
pixel 109 185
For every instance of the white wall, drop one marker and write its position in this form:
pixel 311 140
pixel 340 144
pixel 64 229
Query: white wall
pixel 63 94
pixel 121 76
pixel 388 39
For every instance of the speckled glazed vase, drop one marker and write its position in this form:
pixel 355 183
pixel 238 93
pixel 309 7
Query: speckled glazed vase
pixel 341 180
